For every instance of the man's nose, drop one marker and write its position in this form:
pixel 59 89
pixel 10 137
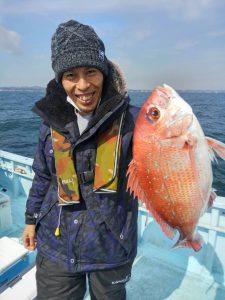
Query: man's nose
pixel 82 83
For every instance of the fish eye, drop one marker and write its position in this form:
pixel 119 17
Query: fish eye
pixel 153 114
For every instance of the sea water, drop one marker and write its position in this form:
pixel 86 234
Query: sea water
pixel 19 125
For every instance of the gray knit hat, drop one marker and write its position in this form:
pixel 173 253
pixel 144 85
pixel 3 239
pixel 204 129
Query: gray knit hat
pixel 77 45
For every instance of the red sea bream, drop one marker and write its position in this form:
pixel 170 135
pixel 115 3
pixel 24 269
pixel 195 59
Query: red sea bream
pixel 171 170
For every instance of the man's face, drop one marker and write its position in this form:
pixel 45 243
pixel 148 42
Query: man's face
pixel 84 86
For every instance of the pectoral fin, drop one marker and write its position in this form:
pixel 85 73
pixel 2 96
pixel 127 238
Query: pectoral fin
pixel 217 146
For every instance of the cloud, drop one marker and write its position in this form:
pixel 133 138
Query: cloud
pixel 217 33
pixel 51 6
pixel 191 9
pixel 188 10
pixel 126 37
pixel 182 45
pixel 9 41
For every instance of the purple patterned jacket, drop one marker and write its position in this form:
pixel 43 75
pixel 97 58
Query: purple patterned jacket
pixel 101 231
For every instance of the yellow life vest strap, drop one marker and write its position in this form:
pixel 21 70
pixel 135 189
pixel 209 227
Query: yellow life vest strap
pixel 107 159
pixel 68 190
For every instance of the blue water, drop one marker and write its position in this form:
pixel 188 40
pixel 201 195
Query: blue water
pixel 19 126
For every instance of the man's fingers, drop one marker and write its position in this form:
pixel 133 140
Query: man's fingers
pixel 29 237
pixel 26 241
pixel 32 243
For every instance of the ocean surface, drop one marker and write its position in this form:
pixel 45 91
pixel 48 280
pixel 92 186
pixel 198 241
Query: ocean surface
pixel 19 125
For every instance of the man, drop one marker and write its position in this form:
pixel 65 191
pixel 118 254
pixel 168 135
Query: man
pixel 78 212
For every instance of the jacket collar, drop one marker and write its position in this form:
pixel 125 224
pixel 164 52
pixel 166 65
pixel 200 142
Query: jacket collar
pixel 57 112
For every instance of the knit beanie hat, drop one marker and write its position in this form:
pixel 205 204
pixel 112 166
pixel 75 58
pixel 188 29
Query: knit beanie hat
pixel 77 45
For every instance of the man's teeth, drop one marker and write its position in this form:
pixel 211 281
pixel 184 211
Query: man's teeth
pixel 85 97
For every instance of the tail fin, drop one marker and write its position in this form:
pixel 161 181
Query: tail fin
pixel 212 197
pixel 195 242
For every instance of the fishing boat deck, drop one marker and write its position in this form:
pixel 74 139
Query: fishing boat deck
pixel 155 278
pixel 159 271
pixel 151 279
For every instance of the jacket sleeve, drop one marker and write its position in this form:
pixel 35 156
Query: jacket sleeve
pixel 41 181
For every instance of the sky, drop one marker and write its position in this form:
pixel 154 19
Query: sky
pixel 177 42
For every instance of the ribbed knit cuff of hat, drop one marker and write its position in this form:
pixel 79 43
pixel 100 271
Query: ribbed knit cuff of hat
pixel 80 58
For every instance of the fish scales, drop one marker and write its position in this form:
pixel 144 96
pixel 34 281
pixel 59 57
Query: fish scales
pixel 173 169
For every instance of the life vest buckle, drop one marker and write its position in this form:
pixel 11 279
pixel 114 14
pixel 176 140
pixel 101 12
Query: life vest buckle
pixel 85 177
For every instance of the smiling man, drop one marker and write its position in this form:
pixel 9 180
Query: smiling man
pixel 78 213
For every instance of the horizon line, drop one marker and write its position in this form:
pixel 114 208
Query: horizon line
pixel 130 89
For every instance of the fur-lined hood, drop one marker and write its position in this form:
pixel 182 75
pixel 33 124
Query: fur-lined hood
pixel 57 112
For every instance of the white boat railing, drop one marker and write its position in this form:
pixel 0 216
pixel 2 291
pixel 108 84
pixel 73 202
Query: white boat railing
pixel 18 173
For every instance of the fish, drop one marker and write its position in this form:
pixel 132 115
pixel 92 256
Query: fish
pixel 171 169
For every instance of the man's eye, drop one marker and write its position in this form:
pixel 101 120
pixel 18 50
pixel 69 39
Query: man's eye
pixel 69 75
pixel 91 71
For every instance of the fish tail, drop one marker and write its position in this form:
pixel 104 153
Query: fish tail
pixel 217 146
pixel 195 242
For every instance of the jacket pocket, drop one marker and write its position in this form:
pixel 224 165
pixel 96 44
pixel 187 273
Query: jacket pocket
pixel 126 235
pixel 97 244
pixel 106 242
pixel 46 226
pixel 46 207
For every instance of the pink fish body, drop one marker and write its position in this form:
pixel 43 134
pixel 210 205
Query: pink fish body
pixel 171 170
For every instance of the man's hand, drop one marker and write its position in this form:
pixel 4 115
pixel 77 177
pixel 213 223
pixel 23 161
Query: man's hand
pixel 29 237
